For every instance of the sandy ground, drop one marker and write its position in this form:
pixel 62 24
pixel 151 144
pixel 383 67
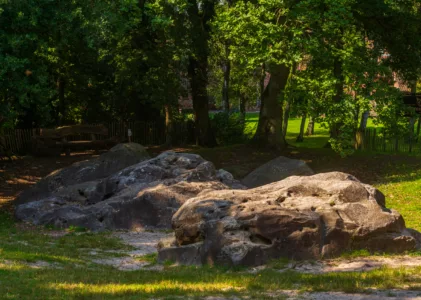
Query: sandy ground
pixel 355 264
pixel 374 295
pixel 143 242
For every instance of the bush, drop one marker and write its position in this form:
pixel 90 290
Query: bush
pixel 229 127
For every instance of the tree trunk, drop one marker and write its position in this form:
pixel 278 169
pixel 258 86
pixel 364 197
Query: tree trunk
pixel 310 127
pixel 61 100
pixel 198 83
pixel 168 125
pixel 269 128
pixel 418 127
pixel 243 103
pixel 300 137
pixel 337 98
pixel 286 118
pixel 262 86
pixel 364 119
pixel 289 101
pixel 198 68
pixel 414 87
pixel 225 86
pixel 356 112
pixel 412 121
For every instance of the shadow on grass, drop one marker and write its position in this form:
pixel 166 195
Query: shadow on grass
pixel 107 283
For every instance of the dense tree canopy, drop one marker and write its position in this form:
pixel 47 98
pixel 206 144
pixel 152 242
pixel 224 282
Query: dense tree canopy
pixel 65 62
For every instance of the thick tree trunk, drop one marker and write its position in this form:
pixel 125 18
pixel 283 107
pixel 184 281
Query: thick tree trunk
pixel 198 68
pixel 289 100
pixel 226 84
pixel 262 86
pixel 364 120
pixel 310 127
pixel 269 128
pixel 61 100
pixel 300 137
pixel 286 118
pixel 168 125
pixel 198 83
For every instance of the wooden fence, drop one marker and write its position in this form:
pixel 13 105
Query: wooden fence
pixel 19 141
pixel 377 140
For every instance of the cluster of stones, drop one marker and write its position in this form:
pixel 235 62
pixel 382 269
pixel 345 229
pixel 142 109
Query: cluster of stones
pixel 216 219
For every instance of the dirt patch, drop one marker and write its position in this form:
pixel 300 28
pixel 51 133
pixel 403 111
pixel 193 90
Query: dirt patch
pixel 144 243
pixel 375 295
pixel 39 264
pixel 295 295
pixel 23 172
pixel 354 265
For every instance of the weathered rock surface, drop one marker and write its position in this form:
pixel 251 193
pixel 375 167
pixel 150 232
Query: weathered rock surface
pixel 146 194
pixel 118 158
pixel 275 170
pixel 306 217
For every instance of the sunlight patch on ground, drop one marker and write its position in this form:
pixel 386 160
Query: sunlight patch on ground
pixel 152 287
pixel 11 265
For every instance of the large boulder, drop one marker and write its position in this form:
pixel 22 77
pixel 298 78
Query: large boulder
pixel 275 170
pixel 114 160
pixel 144 195
pixel 299 218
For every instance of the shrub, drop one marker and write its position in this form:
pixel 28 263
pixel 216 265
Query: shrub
pixel 229 127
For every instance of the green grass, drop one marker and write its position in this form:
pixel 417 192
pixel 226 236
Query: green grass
pixel 98 282
pixel 318 140
pixel 403 192
pixel 151 258
pixel 398 176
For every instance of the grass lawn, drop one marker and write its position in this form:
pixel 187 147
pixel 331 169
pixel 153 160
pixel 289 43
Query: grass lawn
pixel 72 275
pixel 318 140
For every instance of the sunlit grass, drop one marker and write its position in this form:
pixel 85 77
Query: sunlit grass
pixel 403 193
pixel 72 275
pixel 165 285
pixel 318 140
pixel 106 283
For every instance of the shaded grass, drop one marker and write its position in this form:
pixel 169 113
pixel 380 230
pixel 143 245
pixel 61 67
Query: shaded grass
pixel 398 176
pixel 109 283
pixel 35 244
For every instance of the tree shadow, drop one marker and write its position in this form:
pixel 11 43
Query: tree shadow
pixel 107 283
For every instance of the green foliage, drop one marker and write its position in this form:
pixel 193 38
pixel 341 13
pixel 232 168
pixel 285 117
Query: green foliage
pixel 229 127
pixel 98 61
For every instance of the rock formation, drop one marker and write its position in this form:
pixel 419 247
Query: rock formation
pixel 114 160
pixel 275 170
pixel 306 217
pixel 145 194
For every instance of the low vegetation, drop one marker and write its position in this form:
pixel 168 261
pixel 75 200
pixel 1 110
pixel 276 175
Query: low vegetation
pixel 45 263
